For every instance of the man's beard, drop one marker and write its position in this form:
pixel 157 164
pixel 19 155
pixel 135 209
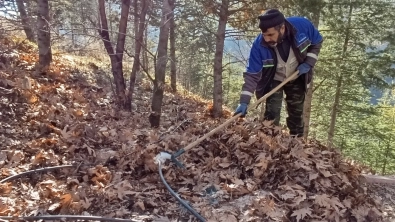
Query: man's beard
pixel 279 40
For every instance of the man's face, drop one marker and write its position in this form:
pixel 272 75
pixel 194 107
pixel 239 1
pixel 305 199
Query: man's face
pixel 273 36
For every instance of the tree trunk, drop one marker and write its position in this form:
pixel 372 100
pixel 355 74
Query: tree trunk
pixel 116 60
pixel 72 36
pixel 145 52
pixel 135 6
pixel 43 34
pixel 206 92
pixel 160 69
pixel 309 94
pixel 388 149
pixel 83 16
pixel 110 29
pixel 136 58
pixel 219 51
pixel 29 8
pixel 25 21
pixel 385 162
pixel 173 66
pixel 335 106
pixel 123 24
pixel 139 33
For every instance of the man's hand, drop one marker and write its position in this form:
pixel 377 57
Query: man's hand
pixel 242 108
pixel 303 68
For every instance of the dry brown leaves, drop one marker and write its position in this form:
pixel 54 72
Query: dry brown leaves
pixel 259 172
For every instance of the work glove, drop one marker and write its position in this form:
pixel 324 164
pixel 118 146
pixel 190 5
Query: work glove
pixel 303 68
pixel 242 108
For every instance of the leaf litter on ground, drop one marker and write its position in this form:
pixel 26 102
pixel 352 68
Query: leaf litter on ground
pixel 258 172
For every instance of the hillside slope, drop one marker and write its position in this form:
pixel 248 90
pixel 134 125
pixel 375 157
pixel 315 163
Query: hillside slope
pixel 249 171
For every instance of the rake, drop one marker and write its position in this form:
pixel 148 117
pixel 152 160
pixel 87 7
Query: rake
pixel 161 158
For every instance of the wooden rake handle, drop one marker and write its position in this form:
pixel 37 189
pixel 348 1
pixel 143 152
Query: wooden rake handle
pixel 254 106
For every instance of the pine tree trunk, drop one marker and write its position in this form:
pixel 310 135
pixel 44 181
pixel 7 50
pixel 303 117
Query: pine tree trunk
pixel 173 67
pixel 385 162
pixel 25 21
pixel 388 148
pixel 335 107
pixel 309 94
pixel 139 33
pixel 206 91
pixel 160 69
pixel 219 52
pixel 43 34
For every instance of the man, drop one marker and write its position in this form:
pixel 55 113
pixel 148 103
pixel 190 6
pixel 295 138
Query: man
pixel 284 46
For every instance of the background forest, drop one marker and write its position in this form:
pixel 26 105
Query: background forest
pixel 201 47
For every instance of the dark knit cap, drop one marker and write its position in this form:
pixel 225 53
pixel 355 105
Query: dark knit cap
pixel 270 18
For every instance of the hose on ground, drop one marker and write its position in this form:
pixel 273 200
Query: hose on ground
pixel 183 203
pixel 62 217
pixel 34 171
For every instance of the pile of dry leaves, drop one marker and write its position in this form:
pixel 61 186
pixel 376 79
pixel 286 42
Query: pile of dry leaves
pixel 249 171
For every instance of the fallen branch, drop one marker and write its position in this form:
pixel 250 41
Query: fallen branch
pixel 34 171
pixel 161 137
pixel 5 91
pixel 62 217
pixel 377 179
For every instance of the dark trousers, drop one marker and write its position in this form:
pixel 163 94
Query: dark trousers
pixel 295 95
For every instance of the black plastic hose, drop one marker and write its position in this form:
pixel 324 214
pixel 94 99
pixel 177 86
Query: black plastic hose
pixel 63 217
pixel 186 205
pixel 35 171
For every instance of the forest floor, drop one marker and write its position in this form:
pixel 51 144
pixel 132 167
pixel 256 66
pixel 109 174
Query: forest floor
pixel 249 171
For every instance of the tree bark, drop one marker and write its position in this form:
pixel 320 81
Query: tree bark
pixel 173 66
pixel 116 59
pixel 139 33
pixel 123 23
pixel 29 8
pixel 25 20
pixel 110 29
pixel 43 34
pixel 385 162
pixel 145 64
pixel 388 149
pixel 72 36
pixel 335 107
pixel 135 6
pixel 309 94
pixel 219 51
pixel 159 82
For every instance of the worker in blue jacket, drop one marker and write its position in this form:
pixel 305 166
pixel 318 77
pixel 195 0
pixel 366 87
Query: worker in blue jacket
pixel 283 46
